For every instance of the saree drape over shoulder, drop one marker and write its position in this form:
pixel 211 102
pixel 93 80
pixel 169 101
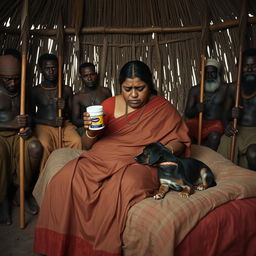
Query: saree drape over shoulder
pixel 86 203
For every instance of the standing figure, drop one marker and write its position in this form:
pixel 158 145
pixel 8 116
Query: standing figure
pixel 45 105
pixel 90 94
pixel 10 123
pixel 245 149
pixel 212 106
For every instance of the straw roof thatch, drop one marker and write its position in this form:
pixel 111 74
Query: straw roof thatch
pixel 169 35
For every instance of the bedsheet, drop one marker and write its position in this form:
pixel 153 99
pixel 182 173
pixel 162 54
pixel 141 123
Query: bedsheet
pixel 157 227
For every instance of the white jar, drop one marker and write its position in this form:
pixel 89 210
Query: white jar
pixel 96 115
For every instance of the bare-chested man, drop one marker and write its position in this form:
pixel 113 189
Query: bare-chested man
pixel 45 105
pixel 10 123
pixel 245 150
pixel 214 99
pixel 90 94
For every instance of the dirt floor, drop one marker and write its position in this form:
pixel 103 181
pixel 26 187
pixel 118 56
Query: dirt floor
pixel 15 241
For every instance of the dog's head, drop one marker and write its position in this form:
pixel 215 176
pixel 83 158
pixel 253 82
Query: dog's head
pixel 154 153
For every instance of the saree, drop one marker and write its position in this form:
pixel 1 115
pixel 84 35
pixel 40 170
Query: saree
pixel 85 206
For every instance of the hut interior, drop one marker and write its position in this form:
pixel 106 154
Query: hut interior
pixel 171 36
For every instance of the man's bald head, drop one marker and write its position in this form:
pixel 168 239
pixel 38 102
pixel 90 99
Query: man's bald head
pixel 9 66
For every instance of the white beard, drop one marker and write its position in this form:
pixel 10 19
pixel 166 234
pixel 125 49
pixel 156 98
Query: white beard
pixel 212 86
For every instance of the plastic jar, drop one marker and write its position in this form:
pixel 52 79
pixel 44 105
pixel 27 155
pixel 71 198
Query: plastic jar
pixel 96 115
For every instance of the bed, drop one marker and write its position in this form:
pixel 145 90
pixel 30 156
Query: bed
pixel 218 221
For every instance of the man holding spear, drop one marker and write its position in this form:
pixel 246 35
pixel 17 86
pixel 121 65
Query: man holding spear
pixel 212 106
pixel 45 105
pixel 10 123
pixel 245 147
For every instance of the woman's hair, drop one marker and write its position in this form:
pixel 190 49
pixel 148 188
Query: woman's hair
pixel 138 69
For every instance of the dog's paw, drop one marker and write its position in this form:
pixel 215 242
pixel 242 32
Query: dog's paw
pixel 158 196
pixel 184 194
pixel 200 187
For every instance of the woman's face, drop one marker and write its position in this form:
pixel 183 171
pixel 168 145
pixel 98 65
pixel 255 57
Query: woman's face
pixel 135 92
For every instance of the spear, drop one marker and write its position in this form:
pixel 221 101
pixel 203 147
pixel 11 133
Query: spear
pixel 204 39
pixel 77 16
pixel 24 37
pixel 241 33
pixel 60 38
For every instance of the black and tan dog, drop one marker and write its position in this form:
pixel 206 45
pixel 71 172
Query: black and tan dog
pixel 176 173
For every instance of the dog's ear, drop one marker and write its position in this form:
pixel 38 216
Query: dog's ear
pixel 154 157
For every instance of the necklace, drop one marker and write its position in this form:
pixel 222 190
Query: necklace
pixel 48 88
pixel 139 115
pixel 10 95
pixel 92 98
pixel 248 96
pixel 51 95
pixel 208 98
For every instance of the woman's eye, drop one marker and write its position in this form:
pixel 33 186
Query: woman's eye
pixel 127 89
pixel 140 88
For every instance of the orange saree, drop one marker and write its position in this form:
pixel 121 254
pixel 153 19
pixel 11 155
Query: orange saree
pixel 86 203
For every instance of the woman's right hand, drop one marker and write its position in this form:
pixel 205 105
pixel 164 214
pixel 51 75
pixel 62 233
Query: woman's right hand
pixel 87 123
pixel 87 120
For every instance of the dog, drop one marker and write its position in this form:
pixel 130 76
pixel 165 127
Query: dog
pixel 176 173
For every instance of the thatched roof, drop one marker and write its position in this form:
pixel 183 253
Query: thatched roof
pixel 169 35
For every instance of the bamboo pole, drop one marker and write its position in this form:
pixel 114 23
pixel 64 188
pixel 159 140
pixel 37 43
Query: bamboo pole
pixel 159 61
pixel 60 37
pixel 77 16
pixel 200 118
pixel 242 31
pixel 204 40
pixel 103 61
pixel 238 85
pixel 60 61
pixel 113 30
pixel 24 33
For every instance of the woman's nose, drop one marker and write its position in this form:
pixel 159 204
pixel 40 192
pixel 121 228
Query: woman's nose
pixel 134 93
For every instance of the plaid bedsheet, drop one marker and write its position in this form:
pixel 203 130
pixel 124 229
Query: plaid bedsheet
pixel 156 227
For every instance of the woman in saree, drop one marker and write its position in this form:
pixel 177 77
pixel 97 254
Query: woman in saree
pixel 85 204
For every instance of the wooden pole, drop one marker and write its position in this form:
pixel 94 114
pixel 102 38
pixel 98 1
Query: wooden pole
pixel 200 118
pixel 22 144
pixel 204 40
pixel 125 30
pixel 24 34
pixel 60 96
pixel 60 37
pixel 238 85
pixel 103 61
pixel 242 31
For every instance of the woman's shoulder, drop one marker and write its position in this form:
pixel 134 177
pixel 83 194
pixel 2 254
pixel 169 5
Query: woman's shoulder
pixel 109 101
pixel 109 106
pixel 160 100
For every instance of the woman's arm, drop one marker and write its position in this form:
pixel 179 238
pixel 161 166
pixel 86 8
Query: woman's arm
pixel 176 147
pixel 89 137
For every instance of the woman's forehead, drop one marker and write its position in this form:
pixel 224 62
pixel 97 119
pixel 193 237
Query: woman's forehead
pixel 136 81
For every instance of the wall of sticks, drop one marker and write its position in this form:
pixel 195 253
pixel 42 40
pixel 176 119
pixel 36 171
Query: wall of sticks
pixel 168 35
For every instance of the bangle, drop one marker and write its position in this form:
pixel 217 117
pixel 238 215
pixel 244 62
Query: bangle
pixel 90 137
pixel 171 149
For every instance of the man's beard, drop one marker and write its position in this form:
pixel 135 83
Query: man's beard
pixel 213 85
pixel 249 83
